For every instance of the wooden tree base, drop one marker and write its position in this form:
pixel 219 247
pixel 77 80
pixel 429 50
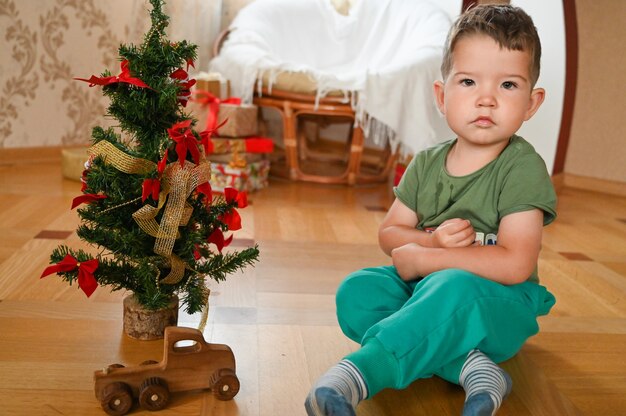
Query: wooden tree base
pixel 145 324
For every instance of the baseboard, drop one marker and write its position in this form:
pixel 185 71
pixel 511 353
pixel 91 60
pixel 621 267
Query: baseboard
pixel 567 180
pixel 558 181
pixel 26 155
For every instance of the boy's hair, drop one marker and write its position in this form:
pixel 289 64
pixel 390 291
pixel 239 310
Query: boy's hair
pixel 509 26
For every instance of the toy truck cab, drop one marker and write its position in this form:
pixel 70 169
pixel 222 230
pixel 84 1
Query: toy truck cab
pixel 196 365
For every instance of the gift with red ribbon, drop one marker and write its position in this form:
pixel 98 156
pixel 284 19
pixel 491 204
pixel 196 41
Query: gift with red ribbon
pixel 213 82
pixel 86 269
pixel 251 144
pixel 242 118
pixel 238 153
pixel 251 177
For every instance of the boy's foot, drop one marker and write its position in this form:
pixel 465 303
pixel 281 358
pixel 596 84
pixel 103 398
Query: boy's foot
pixel 337 392
pixel 486 385
pixel 326 401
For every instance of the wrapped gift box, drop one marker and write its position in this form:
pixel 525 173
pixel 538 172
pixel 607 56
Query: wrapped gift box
pixel 239 152
pixel 214 83
pixel 249 178
pixel 252 144
pixel 237 160
pixel 73 162
pixel 242 118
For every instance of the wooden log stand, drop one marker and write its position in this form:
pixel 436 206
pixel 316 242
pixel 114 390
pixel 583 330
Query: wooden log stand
pixel 146 324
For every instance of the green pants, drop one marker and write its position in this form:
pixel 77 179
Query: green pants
pixel 412 330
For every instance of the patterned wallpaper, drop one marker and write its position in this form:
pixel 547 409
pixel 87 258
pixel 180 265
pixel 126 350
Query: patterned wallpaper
pixel 230 8
pixel 45 43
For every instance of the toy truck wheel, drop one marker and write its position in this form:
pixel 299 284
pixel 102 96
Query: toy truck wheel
pixel 153 394
pixel 117 399
pixel 225 384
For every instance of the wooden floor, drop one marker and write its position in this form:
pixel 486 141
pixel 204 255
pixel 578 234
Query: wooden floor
pixel 279 316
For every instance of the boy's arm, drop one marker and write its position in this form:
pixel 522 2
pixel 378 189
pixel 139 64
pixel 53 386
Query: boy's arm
pixel 398 229
pixel 511 261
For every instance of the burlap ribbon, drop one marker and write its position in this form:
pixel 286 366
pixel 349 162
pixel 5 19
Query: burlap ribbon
pixel 120 160
pixel 177 184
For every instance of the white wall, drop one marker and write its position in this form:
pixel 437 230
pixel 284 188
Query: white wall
pixel 452 7
pixel 543 129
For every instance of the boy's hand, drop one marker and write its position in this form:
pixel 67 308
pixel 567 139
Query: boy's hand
pixel 454 232
pixel 407 260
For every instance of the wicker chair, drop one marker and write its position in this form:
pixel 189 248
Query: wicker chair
pixel 308 157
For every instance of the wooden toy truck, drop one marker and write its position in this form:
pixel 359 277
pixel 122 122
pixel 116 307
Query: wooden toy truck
pixel 200 365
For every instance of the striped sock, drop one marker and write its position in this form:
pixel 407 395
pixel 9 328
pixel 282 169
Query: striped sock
pixel 337 392
pixel 485 384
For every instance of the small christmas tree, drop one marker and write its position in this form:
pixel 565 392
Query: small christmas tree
pixel 150 209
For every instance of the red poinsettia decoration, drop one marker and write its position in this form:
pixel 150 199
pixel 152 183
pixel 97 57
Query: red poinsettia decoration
pixel 86 269
pixel 123 77
pixel 232 218
pixel 182 77
pixel 152 186
pixel 217 238
pixel 86 198
pixel 205 188
pixel 232 195
pixel 185 141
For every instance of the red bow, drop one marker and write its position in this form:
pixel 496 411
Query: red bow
pixel 232 219
pixel 217 238
pixel 124 76
pixel 162 163
pixel 86 280
pixel 185 83
pixel 86 198
pixel 205 188
pixel 232 194
pixel 185 141
pixel 152 187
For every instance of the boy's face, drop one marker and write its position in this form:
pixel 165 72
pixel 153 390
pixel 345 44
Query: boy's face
pixel 487 94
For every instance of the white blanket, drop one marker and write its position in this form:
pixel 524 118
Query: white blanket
pixel 387 51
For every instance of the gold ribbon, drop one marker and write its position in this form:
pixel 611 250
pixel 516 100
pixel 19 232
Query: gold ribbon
pixel 177 184
pixel 205 311
pixel 120 160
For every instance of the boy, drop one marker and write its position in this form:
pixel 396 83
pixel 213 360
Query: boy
pixel 464 235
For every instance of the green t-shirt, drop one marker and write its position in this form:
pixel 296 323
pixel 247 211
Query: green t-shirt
pixel 517 180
